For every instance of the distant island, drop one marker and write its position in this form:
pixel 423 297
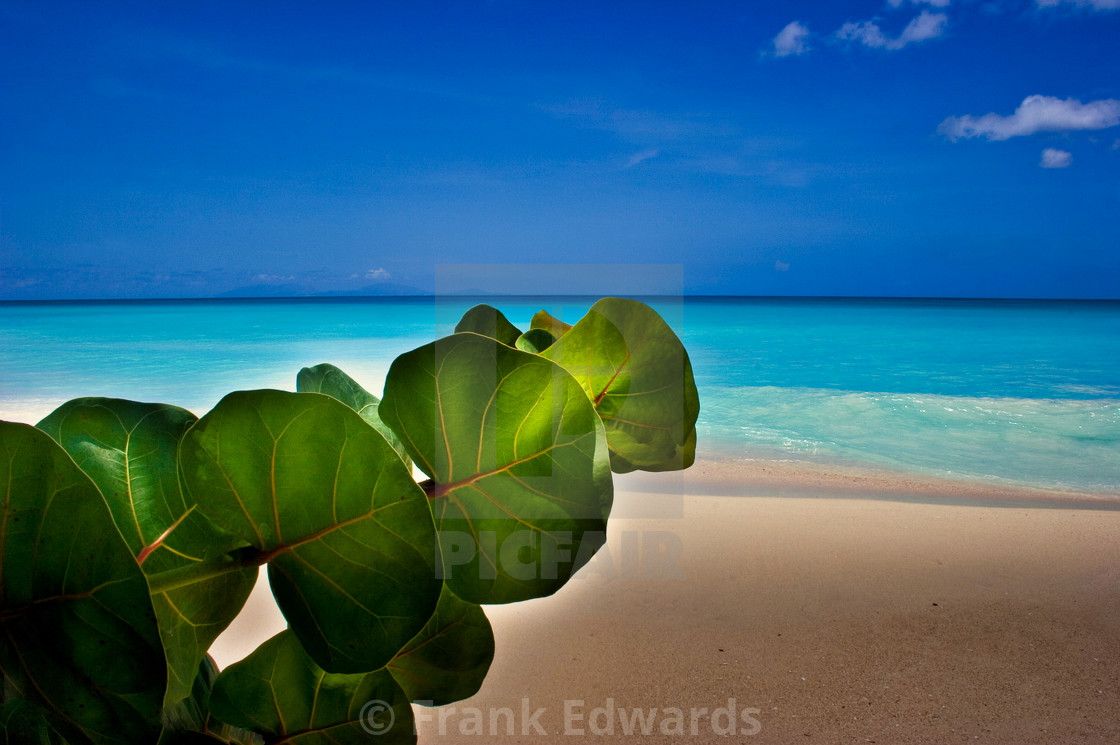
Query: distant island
pixel 295 289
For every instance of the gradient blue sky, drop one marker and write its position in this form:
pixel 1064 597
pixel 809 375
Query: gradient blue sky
pixel 880 147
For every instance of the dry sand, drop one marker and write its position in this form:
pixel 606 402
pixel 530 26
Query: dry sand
pixel 836 619
pixel 820 620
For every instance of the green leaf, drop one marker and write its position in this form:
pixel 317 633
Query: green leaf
pixel 281 693
pixel 189 721
pixel 535 341
pixel 448 660
pixel 329 380
pixel 637 373
pixel 77 631
pixel 488 321
pixel 345 530
pixel 545 321
pixel 190 714
pixel 517 458
pixel 169 737
pixel 25 722
pixel 129 449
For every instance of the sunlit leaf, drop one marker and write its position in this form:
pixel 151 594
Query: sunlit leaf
pixel 129 450
pixel 448 660
pixel 517 458
pixel 637 374
pixel 281 693
pixel 331 381
pixel 77 631
pixel 545 321
pixel 345 530
pixel 488 321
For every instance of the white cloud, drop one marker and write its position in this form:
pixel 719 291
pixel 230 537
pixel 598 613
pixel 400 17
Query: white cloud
pixel 934 3
pixel 1035 114
pixel 867 33
pixel 1052 158
pixel 378 274
pixel 791 40
pixel 1094 4
pixel 645 155
pixel 926 26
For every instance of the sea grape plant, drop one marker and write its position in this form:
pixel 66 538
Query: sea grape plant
pixel 131 533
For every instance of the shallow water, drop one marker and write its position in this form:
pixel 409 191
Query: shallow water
pixel 1025 392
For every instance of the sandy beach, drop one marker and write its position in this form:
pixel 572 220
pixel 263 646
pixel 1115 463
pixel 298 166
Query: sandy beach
pixel 817 620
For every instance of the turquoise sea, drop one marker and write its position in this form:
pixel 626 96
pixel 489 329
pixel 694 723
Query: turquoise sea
pixel 1025 392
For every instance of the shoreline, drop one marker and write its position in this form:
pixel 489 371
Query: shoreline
pixel 724 476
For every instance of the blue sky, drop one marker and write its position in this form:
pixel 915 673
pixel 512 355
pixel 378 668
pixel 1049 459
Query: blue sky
pixel 884 148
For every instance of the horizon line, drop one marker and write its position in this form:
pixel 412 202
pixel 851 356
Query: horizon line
pixel 455 296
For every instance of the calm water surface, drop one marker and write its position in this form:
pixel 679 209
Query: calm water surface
pixel 1027 392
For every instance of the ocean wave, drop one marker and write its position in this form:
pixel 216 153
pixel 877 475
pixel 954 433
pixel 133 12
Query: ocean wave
pixel 1064 443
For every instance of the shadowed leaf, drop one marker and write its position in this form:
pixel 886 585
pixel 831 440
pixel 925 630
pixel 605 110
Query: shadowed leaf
pixel 345 530
pixel 535 341
pixel 331 381
pixel 78 635
pixel 488 321
pixel 447 661
pixel 200 738
pixel 281 693
pixel 189 721
pixel 637 374
pixel 25 722
pixel 517 459
pixel 129 449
